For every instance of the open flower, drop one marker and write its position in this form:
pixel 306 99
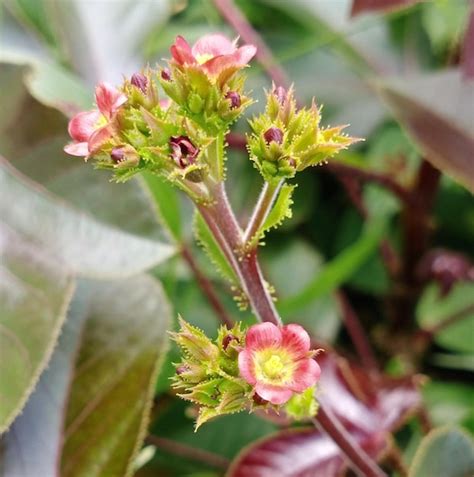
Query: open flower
pixel 214 53
pixel 90 129
pixel 278 361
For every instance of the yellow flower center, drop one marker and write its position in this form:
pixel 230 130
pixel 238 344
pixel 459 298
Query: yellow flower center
pixel 274 366
pixel 204 57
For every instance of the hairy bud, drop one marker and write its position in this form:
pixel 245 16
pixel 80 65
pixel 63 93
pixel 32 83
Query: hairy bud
pixel 273 135
pixel 140 81
pixel 234 99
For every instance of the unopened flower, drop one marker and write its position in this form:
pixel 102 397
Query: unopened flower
pixel 123 156
pixel 166 74
pixel 234 98
pixel 140 81
pixel 183 151
pixel 281 94
pixel 273 134
pixel 278 362
pixel 213 53
pixel 90 129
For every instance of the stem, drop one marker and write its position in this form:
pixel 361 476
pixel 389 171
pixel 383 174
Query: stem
pixel 356 332
pixel 361 462
pixel 264 55
pixel 207 288
pixel 264 204
pixel 188 452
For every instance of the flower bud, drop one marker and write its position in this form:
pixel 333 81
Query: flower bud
pixel 234 99
pixel 124 156
pixel 183 151
pixel 273 135
pixel 166 74
pixel 140 81
pixel 227 340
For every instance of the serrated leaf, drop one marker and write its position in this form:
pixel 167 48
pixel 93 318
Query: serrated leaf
pixel 444 452
pixel 83 245
pixel 90 409
pixel 35 291
pixel 280 211
pixel 209 244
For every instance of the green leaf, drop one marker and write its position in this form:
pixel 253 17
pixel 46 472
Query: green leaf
pixel 209 244
pixel 83 245
pixel 444 452
pixel 91 407
pixel 35 291
pixel 433 308
pixel 436 110
pixel 338 270
pixel 280 211
pixel 166 201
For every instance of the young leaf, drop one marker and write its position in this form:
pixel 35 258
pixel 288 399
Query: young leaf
pixel 444 452
pixel 90 409
pixel 280 211
pixel 83 245
pixel 35 291
pixel 209 244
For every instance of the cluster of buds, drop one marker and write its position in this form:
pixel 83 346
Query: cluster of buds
pixel 286 139
pixel 202 80
pixel 132 129
pixel 265 367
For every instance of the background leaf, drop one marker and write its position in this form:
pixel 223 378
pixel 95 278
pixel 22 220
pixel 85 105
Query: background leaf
pixel 90 409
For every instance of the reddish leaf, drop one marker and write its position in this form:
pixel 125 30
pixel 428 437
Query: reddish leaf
pixel 370 411
pixel 437 112
pixel 360 6
pixel 468 49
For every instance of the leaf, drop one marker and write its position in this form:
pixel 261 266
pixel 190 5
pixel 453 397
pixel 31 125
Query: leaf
pixel 90 409
pixel 166 201
pixel 35 291
pixel 369 412
pixel 338 270
pixel 436 111
pixel 280 211
pixel 433 308
pixel 83 245
pixel 363 6
pixel 444 452
pixel 207 241
pixel 468 49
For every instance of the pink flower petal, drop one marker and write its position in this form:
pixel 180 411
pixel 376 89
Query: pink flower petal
pixel 263 335
pixel 244 54
pixel 77 149
pixel 306 374
pixel 99 137
pixel 274 394
pixel 181 51
pixel 215 45
pixel 246 366
pixel 83 125
pixel 108 99
pixel 295 339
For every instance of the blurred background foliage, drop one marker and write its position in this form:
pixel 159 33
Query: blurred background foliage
pixel 400 78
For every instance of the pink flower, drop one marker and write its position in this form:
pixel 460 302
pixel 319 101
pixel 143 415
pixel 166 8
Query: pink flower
pixel 90 129
pixel 278 361
pixel 214 53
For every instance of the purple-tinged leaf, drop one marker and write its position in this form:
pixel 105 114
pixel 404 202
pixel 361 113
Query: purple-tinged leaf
pixel 468 49
pixel 370 411
pixel 362 6
pixel 436 110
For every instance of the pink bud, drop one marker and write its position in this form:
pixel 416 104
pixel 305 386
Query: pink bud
pixel 183 151
pixel 234 99
pixel 227 340
pixel 117 154
pixel 182 369
pixel 140 81
pixel 273 134
pixel 166 74
pixel 281 94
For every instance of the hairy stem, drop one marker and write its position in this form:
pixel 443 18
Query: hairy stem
pixel 264 204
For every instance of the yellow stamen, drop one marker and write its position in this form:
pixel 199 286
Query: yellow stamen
pixel 273 367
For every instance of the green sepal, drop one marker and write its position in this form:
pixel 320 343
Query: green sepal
pixel 303 405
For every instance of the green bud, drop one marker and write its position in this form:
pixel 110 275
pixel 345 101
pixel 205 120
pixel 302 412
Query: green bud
pixel 195 103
